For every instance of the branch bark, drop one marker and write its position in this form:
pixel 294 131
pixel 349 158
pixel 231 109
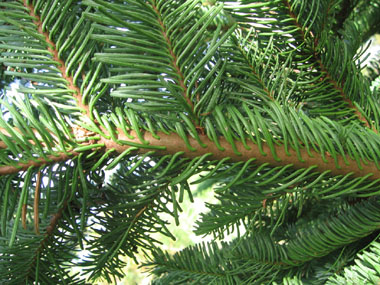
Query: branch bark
pixel 10 169
pixel 174 143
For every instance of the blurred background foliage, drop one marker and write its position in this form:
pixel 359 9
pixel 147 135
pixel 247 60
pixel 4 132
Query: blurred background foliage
pixel 184 233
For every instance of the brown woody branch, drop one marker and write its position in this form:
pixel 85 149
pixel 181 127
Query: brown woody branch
pixel 10 169
pixel 174 143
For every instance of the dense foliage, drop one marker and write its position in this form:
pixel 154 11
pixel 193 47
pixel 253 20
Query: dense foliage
pixel 266 100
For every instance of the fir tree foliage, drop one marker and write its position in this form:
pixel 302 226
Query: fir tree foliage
pixel 264 99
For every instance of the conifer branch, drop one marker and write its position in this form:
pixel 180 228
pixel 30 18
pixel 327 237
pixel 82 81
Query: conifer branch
pixel 54 221
pixel 4 170
pixel 268 92
pixel 323 69
pixel 181 79
pixel 54 52
pixel 10 169
pixel 291 176
pixel 49 233
pixel 175 143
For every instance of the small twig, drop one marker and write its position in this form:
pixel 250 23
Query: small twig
pixel 36 204
pixel 10 169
